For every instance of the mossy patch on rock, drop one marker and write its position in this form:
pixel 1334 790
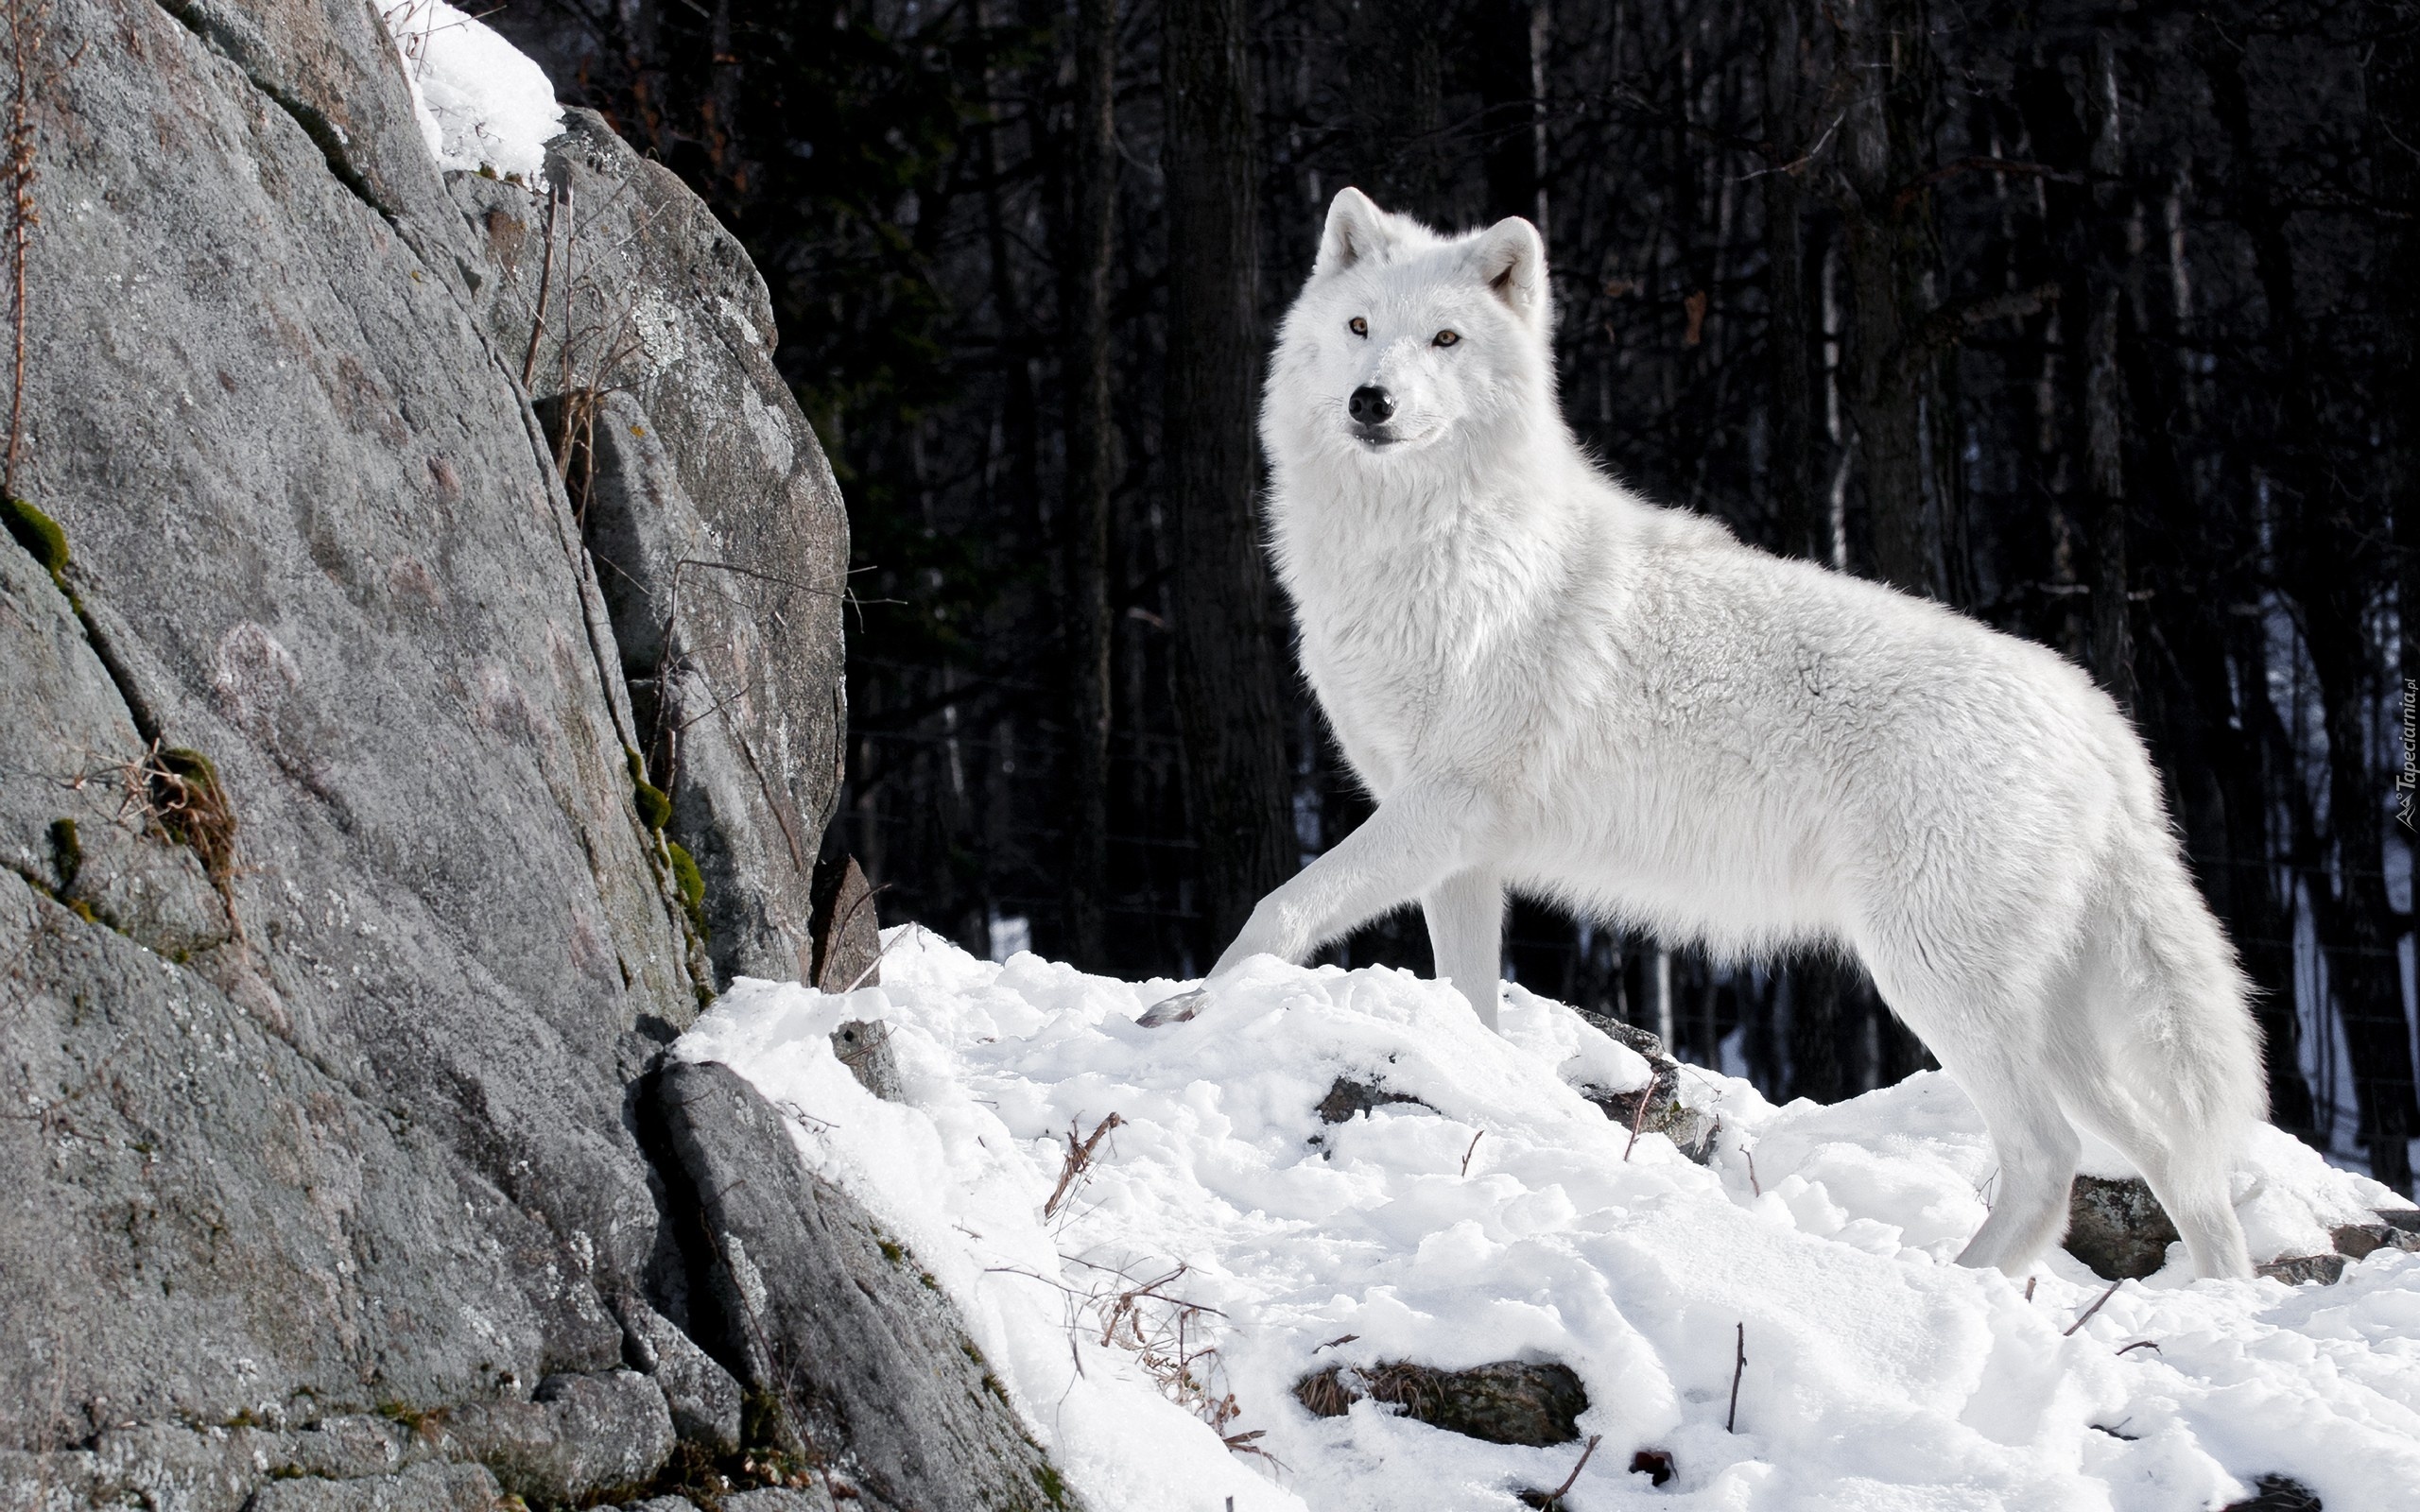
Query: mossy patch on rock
pixel 66 852
pixel 655 805
pixel 39 534
pixel 691 882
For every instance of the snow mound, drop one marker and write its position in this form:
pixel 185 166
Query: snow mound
pixel 1497 1218
pixel 481 103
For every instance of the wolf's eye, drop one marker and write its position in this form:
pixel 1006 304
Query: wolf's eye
pixel 1446 338
pixel 1358 326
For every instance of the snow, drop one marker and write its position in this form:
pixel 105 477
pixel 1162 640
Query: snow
pixel 481 103
pixel 1502 1221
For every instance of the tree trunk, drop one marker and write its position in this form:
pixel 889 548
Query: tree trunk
pixel 2329 550
pixel 2394 99
pixel 1509 37
pixel 1802 513
pixel 1802 507
pixel 2395 103
pixel 1818 993
pixel 2104 397
pixel 1090 463
pixel 2258 918
pixel 1894 379
pixel 2357 923
pixel 1230 706
pixel 1398 103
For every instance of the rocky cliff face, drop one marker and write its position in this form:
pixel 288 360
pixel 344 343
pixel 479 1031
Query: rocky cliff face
pixel 374 807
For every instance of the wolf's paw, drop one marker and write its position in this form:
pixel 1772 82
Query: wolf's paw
pixel 1176 1009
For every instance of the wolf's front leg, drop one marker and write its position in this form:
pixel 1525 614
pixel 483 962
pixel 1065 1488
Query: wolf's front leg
pixel 1415 840
pixel 1465 916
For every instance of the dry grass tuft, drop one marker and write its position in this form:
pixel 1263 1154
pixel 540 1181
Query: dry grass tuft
pixel 1079 1163
pixel 177 793
pixel 1167 1335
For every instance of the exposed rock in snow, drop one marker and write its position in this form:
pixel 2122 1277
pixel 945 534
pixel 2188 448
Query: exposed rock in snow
pixel 2278 1493
pixel 2296 1269
pixel 2398 1229
pixel 2115 1227
pixel 1659 1104
pixel 1348 1096
pixel 1507 1402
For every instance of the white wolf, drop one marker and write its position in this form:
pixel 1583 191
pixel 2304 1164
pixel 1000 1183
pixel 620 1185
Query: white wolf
pixel 1552 686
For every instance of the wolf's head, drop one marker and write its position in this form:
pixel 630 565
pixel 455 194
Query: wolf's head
pixel 1405 340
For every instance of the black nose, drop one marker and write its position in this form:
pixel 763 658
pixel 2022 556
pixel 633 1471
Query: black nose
pixel 1370 406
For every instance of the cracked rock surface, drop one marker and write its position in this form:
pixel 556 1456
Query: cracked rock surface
pixel 326 1185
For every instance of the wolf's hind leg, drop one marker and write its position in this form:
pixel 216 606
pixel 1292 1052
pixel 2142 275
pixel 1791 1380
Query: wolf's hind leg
pixel 1984 1023
pixel 2038 1149
pixel 1465 915
pixel 2185 1167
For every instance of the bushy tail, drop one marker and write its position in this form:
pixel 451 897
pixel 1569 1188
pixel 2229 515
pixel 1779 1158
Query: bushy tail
pixel 2191 1028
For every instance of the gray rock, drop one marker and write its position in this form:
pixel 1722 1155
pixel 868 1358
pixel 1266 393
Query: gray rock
pixel 316 540
pixel 208 1469
pixel 59 1481
pixel 1656 1108
pixel 1645 1042
pixel 431 1488
pixel 1348 1096
pixel 856 1354
pixel 864 1046
pixel 848 955
pixel 2118 1227
pixel 2396 1229
pixel 351 1446
pixel 2300 1269
pixel 2359 1241
pixel 2278 1493
pixel 846 927
pixel 76 817
pixel 579 1435
pixel 780 1499
pixel 331 70
pixel 185 1468
pixel 327 1150
pixel 339 1126
pixel 719 531
pixel 704 1398
pixel 206 1225
pixel 1510 1402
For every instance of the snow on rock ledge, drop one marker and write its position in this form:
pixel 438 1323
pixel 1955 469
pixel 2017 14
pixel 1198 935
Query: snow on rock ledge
pixel 482 104
pixel 1500 1221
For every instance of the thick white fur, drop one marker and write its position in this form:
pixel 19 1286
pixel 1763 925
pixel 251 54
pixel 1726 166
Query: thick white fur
pixel 1552 686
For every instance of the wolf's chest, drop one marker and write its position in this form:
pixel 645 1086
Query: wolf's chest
pixel 1405 680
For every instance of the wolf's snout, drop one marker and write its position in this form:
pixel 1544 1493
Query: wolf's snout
pixel 1371 406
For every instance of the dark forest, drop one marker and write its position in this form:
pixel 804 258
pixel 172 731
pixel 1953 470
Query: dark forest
pixel 2094 321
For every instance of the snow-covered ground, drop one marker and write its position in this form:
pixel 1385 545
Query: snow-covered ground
pixel 481 102
pixel 1502 1221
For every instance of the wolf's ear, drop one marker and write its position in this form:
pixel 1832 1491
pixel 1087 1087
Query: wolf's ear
pixel 1356 229
pixel 1511 260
